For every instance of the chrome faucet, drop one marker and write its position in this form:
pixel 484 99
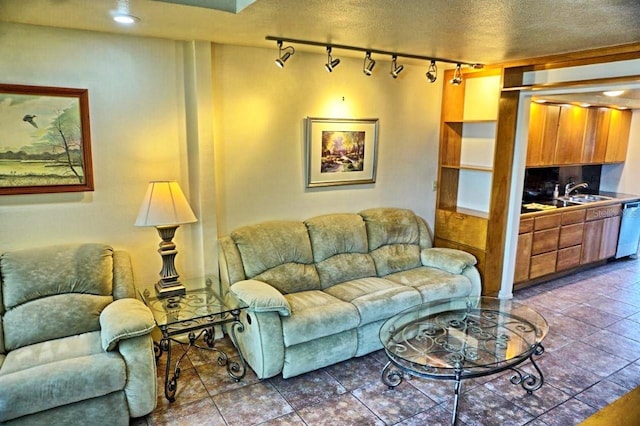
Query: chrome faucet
pixel 570 187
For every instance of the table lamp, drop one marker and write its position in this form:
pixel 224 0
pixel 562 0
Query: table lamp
pixel 165 207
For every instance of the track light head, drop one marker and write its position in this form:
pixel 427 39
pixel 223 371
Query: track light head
pixel 395 69
pixel 369 63
pixel 457 76
pixel 331 63
pixel 432 72
pixel 284 54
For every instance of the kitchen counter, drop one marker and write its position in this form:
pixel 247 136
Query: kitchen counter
pixel 559 205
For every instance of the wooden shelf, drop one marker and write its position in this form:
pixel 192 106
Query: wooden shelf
pixel 471 121
pixel 468 167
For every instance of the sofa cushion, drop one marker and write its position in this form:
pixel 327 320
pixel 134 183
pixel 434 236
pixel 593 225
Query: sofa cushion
pixel 58 372
pixel 316 314
pixel 394 239
pixel 433 283
pixel 278 253
pixel 340 248
pixel 52 318
pixel 376 298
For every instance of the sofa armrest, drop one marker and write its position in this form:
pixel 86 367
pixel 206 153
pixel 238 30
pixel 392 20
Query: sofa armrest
pixel 450 260
pixel 123 319
pixel 261 297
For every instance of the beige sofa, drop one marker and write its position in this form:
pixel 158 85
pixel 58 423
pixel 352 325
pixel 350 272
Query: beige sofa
pixel 75 343
pixel 319 290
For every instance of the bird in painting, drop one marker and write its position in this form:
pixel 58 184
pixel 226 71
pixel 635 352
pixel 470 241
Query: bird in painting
pixel 29 119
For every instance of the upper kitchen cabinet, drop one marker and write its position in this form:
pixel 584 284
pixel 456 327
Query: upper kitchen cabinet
pixel 562 135
pixel 618 138
pixel 543 128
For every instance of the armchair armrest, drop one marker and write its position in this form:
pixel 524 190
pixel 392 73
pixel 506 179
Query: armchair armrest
pixel 123 319
pixel 450 260
pixel 261 297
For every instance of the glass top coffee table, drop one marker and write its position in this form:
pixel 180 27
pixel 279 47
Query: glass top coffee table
pixel 457 339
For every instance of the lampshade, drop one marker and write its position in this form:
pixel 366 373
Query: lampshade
pixel 164 204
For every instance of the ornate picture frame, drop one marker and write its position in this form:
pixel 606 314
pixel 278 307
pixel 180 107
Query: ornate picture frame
pixel 341 151
pixel 45 140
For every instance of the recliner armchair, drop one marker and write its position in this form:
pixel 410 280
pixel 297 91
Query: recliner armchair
pixel 75 343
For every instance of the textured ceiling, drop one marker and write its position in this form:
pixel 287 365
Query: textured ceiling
pixel 484 31
pixel 473 31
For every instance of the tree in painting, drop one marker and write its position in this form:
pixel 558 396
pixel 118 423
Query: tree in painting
pixel 342 151
pixel 65 138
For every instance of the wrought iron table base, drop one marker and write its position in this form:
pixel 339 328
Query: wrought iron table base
pixel 235 370
pixel 392 376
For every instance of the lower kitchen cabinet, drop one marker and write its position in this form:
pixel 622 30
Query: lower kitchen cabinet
pixel 561 241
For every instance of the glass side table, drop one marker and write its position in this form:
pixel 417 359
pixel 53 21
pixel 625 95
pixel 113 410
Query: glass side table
pixel 197 313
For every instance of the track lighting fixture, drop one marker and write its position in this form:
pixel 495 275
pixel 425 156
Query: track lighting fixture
pixel 395 68
pixel 432 72
pixel 369 63
pixel 457 75
pixel 284 54
pixel 331 63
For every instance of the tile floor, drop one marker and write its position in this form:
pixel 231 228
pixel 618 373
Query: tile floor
pixel 592 358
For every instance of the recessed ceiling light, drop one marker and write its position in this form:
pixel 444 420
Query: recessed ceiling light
pixel 613 92
pixel 540 101
pixel 585 105
pixel 123 18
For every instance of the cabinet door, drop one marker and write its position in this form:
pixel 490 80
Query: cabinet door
pixel 571 133
pixel 591 239
pixel 610 232
pixel 523 257
pixel 618 138
pixel 543 127
pixel 595 141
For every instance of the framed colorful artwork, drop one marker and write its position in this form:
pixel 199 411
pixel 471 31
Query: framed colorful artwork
pixel 341 151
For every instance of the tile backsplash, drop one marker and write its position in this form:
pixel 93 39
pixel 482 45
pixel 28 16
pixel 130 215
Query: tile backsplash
pixel 539 182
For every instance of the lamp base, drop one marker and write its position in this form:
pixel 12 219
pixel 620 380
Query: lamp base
pixel 174 289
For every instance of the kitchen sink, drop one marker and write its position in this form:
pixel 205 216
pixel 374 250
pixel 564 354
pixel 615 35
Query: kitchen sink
pixel 584 198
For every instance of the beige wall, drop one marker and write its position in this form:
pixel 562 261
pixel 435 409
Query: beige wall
pixel 137 112
pixel 237 154
pixel 260 152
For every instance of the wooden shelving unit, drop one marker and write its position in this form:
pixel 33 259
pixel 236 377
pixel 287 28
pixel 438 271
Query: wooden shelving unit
pixel 466 164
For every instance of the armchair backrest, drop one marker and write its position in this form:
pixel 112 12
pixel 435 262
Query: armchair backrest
pixel 58 291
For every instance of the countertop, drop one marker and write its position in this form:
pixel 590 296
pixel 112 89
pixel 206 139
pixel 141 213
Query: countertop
pixel 559 205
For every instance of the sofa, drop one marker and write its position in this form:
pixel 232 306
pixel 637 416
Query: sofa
pixel 318 291
pixel 75 343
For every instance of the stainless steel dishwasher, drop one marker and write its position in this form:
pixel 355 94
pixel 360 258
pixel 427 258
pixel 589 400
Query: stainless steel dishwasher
pixel 629 230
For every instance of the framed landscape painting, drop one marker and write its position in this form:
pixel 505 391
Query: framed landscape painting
pixel 45 143
pixel 341 151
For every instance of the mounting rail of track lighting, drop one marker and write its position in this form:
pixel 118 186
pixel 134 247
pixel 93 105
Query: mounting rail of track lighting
pixel 371 51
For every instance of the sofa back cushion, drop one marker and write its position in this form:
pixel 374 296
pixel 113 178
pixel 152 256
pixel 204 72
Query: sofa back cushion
pixel 54 292
pixel 278 253
pixel 340 248
pixel 394 239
